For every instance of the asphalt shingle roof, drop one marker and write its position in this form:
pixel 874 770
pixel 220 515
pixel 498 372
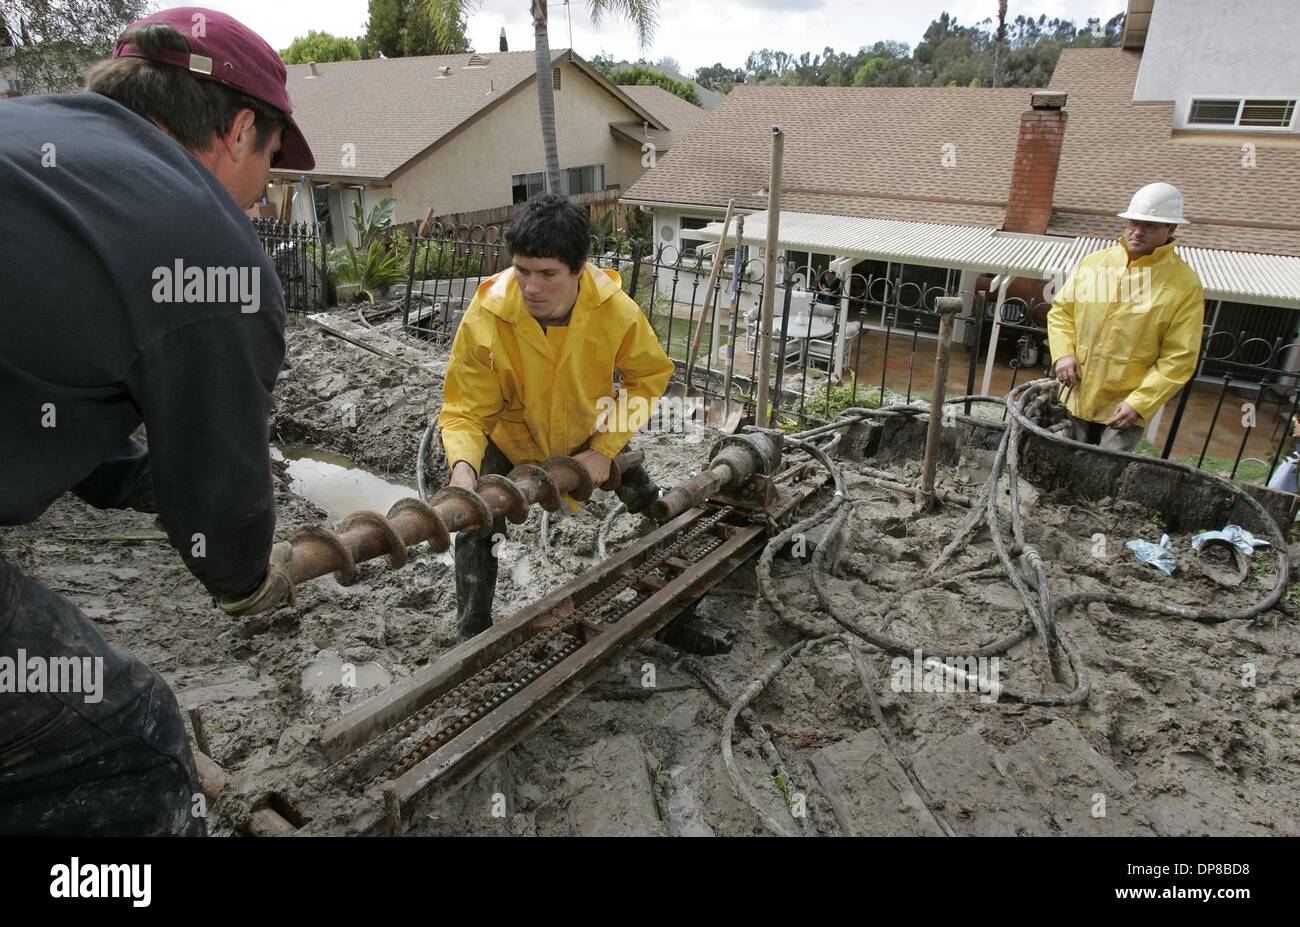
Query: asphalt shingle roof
pixel 675 113
pixel 879 152
pixel 854 151
pixel 392 109
pixel 1114 146
pixel 671 110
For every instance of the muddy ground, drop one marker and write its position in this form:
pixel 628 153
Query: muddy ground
pixel 1189 729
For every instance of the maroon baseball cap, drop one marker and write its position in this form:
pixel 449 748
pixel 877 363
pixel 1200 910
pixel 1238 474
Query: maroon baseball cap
pixel 225 50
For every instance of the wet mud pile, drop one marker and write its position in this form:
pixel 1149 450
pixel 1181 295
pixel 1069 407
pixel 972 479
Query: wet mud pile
pixel 1189 728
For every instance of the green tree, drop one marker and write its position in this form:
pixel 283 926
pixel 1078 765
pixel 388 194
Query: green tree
pixel 1000 43
pixel 719 78
pixel 53 43
pixel 405 28
pixel 320 46
pixel 643 14
pixel 643 76
pixel 996 52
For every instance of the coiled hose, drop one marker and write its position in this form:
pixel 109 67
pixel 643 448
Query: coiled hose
pixel 1038 602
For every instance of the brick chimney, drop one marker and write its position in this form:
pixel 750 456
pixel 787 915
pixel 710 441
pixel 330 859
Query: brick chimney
pixel 1038 155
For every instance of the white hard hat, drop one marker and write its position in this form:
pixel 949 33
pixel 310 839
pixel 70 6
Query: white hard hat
pixel 1156 202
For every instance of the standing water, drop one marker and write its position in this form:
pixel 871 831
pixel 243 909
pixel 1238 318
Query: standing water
pixel 336 483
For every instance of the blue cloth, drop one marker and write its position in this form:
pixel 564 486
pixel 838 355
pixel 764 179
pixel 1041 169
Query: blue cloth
pixel 1235 535
pixel 1284 477
pixel 1159 555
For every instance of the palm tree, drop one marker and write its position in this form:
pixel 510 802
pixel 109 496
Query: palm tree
pixel 1000 44
pixel 643 14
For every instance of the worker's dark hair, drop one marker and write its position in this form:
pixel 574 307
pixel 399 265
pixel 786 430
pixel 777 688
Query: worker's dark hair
pixel 191 109
pixel 551 226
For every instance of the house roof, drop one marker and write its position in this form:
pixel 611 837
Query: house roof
pixel 866 151
pixel 878 153
pixel 1113 146
pixel 395 109
pixel 677 115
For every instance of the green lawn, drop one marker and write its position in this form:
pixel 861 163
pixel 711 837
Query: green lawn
pixel 1248 471
pixel 682 331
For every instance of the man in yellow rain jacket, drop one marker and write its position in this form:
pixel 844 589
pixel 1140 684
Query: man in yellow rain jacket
pixel 1125 329
pixel 531 376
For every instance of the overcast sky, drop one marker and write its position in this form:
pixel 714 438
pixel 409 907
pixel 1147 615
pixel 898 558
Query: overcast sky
pixel 695 32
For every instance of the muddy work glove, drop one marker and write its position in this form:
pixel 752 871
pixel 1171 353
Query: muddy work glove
pixel 275 589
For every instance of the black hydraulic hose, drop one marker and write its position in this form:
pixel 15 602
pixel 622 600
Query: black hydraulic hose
pixel 884 642
pixel 420 457
pixel 1016 401
pixel 855 414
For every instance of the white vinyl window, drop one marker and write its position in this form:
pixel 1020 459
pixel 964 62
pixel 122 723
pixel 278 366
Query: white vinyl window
pixel 587 179
pixel 1242 113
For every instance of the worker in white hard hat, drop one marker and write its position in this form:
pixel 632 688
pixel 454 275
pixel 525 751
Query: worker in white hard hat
pixel 1125 329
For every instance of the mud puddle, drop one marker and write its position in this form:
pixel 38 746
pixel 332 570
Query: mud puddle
pixel 330 669
pixel 336 483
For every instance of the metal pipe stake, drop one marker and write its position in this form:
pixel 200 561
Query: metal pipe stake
pixel 947 307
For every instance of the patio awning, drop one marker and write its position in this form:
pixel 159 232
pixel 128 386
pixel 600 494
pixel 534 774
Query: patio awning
pixel 1236 276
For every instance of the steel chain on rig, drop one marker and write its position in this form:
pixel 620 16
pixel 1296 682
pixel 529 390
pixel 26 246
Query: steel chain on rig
pixel 474 688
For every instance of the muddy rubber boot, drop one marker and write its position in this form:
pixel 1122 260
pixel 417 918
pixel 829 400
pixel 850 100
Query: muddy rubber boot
pixel 693 634
pixel 476 566
pixel 637 491
pixel 476 582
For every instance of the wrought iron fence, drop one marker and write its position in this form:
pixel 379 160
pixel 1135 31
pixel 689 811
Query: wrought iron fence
pixel 295 249
pixel 1251 378
pixel 870 344
pixel 444 268
pixel 822 363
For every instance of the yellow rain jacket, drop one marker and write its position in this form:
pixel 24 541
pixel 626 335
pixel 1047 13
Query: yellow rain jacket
pixel 1134 328
pixel 538 397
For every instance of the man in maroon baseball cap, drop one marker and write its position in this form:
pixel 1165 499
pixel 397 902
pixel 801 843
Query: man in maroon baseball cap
pixel 224 50
pixel 137 293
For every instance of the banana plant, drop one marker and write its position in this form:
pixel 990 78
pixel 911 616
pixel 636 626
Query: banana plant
pixel 374 226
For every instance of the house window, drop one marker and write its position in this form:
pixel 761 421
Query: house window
pixel 808 267
pixel 589 179
pixel 526 186
pixel 1242 114
pixel 688 244
pixel 555 79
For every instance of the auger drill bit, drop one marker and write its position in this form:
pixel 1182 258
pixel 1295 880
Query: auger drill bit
pixel 364 536
pixel 733 461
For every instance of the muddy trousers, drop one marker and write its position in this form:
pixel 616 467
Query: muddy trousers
pixel 108 754
pixel 476 566
pixel 1105 437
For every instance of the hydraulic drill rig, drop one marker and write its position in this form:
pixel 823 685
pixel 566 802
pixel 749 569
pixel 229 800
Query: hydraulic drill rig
pixel 428 735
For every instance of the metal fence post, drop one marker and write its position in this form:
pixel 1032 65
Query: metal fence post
pixel 324 267
pixel 981 299
pixel 410 275
pixel 1183 395
pixel 780 367
pixel 636 267
pixel 948 307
